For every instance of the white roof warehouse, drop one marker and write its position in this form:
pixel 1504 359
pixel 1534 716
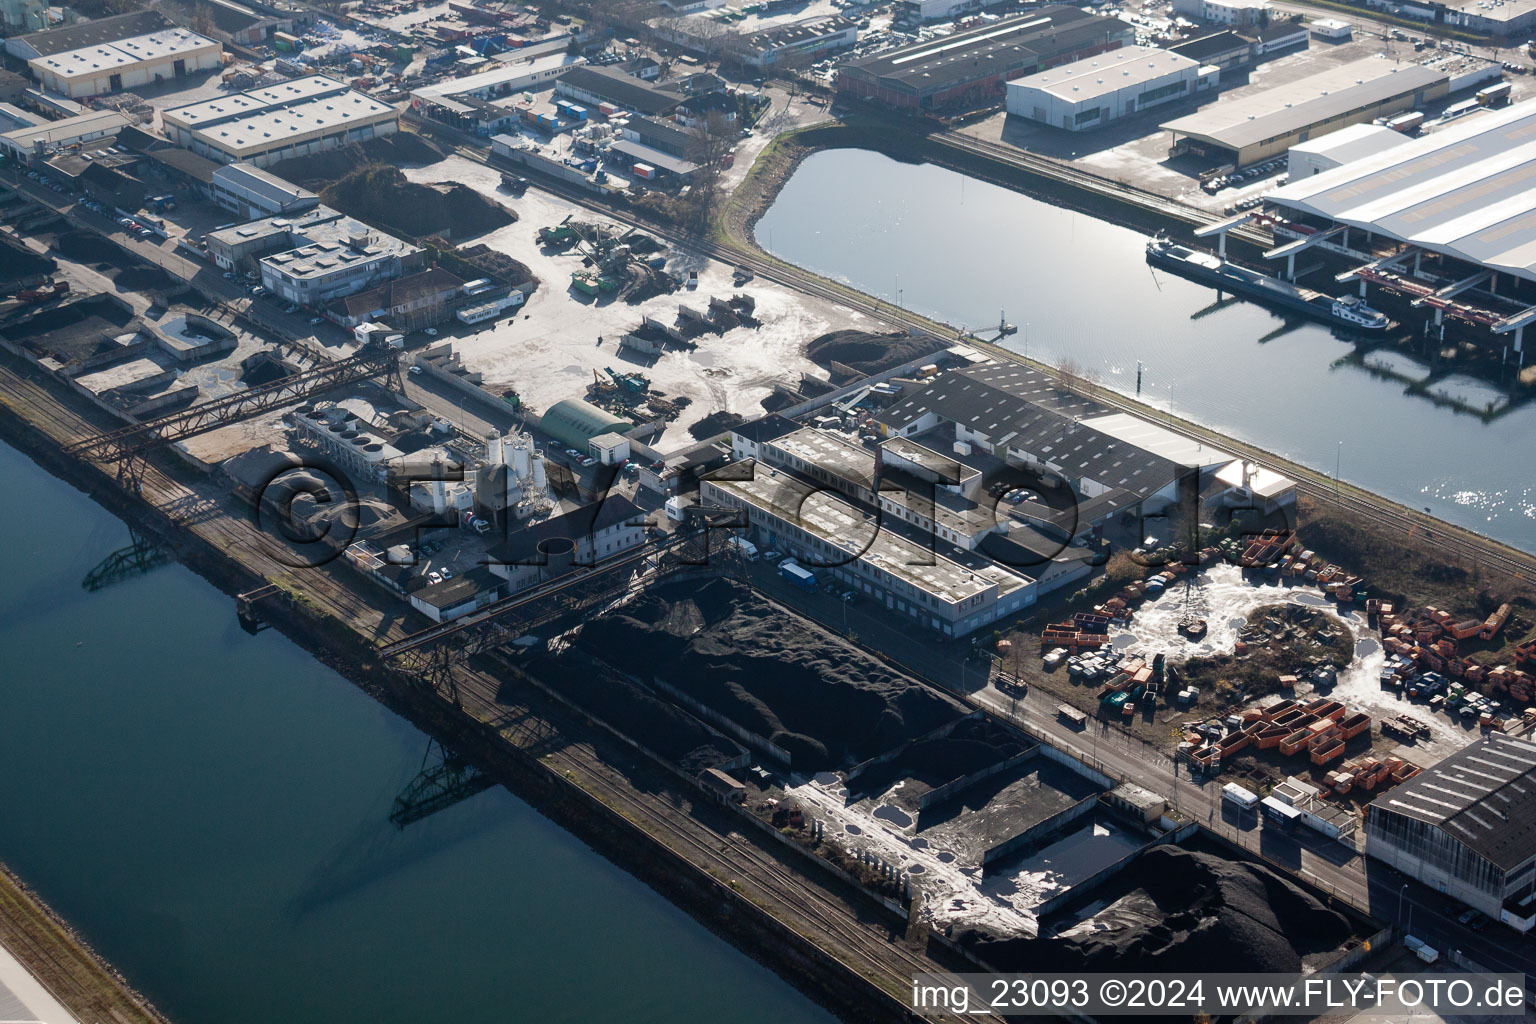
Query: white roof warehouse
pixel 126 63
pixel 295 118
pixel 1092 92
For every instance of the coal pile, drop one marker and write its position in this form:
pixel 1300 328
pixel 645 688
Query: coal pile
pixel 1176 907
pixel 935 761
pixel 823 701
pixel 653 723
pixel 866 352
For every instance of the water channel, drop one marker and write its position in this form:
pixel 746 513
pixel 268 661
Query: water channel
pixel 963 251
pixel 210 810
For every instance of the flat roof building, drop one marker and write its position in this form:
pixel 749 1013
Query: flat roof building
pixel 250 192
pixel 828 531
pixel 129 63
pixel 766 49
pixel 1467 827
pixel 1243 130
pixel 605 85
pixel 94 32
pixel 1094 91
pixel 49 136
pixel 273 123
pixel 458 101
pixel 970 67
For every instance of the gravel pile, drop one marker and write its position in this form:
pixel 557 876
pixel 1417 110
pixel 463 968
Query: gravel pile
pixel 973 745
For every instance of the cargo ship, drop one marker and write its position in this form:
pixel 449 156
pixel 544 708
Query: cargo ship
pixel 1205 268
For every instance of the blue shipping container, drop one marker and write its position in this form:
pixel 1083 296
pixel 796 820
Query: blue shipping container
pixel 798 575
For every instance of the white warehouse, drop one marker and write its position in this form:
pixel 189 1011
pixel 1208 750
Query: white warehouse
pixel 1092 92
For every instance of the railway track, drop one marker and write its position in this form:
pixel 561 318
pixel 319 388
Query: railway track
pixel 864 950
pixel 721 855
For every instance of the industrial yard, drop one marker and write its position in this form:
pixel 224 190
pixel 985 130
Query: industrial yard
pixel 433 335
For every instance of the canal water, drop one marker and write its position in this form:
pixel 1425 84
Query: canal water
pixel 210 810
pixel 966 252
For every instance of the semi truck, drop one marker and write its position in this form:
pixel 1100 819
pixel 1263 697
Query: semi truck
pixel 798 575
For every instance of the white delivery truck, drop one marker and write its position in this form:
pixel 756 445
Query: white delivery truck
pixel 747 548
pixel 1421 949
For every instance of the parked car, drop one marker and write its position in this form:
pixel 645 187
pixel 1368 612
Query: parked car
pixel 321 320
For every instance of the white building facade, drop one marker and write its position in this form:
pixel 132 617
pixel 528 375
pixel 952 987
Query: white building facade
pixel 1090 93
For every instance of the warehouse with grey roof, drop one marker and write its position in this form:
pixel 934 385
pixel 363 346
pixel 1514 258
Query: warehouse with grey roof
pixel 1467 827
pixel 1244 130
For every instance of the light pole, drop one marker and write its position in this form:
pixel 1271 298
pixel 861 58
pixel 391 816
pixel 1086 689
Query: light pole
pixel 1026 339
pixel 1338 456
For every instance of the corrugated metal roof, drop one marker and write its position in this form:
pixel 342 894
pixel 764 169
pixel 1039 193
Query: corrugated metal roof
pixel 1467 190
pixel 1236 122
pixel 1483 796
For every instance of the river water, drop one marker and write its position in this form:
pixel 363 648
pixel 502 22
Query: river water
pixel 964 251
pixel 210 810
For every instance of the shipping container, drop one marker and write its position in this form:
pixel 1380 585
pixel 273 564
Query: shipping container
pixel 644 171
pixel 798 575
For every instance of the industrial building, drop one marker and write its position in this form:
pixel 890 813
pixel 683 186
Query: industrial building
pixel 1114 463
pixel 273 123
pixel 1449 218
pixel 771 47
pixel 916 12
pixel 408 303
pixel 469 102
pixel 1341 147
pixel 1225 49
pixel 96 32
pixel 574 422
pixel 1235 13
pixel 605 85
pixel 1094 91
pixel 129 63
pixel 1244 130
pixel 1490 17
pixel 969 68
pixel 1467 827
pixel 250 192
pixel 48 137
pixel 581 537
pixel 952 595
pixel 314 257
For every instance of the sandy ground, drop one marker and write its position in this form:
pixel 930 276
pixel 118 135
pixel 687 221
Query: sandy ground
pixel 550 349
pixel 1229 598
pixel 954 890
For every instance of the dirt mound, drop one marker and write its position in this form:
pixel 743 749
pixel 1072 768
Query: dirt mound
pixel 481 260
pixel 1176 907
pixel 715 423
pixel 318 170
pixel 971 746
pixel 19 263
pixel 379 194
pixel 868 352
pixel 823 701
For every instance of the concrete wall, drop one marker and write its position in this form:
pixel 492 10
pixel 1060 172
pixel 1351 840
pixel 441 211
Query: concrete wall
pixel 949 789
pixel 1040 830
